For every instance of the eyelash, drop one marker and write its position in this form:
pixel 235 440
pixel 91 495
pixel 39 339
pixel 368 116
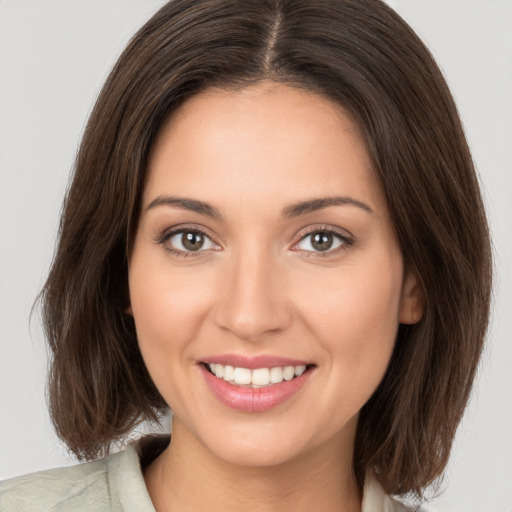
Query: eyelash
pixel 346 240
pixel 168 234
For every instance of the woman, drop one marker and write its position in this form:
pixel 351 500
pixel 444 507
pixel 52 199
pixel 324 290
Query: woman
pixel 275 229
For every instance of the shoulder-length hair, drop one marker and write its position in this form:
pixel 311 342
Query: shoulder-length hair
pixel 359 54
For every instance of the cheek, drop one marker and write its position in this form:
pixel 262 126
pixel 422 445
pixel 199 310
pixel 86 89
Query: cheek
pixel 354 317
pixel 354 302
pixel 168 308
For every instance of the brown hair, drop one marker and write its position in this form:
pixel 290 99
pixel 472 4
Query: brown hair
pixel 358 53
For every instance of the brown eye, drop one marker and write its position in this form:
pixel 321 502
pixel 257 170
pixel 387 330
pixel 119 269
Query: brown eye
pixel 322 241
pixel 192 241
pixel 187 241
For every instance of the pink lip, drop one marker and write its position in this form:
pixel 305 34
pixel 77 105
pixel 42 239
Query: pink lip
pixel 254 399
pixel 263 361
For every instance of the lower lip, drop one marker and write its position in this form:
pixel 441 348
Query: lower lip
pixel 254 399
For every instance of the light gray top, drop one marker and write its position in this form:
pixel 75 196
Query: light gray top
pixel 116 484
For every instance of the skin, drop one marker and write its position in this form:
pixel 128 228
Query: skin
pixel 258 286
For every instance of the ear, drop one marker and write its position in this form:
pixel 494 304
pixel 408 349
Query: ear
pixel 128 310
pixel 412 306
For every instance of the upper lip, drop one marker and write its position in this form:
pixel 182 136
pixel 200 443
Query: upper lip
pixel 261 361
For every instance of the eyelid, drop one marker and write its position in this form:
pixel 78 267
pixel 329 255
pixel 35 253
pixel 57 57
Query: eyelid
pixel 347 240
pixel 170 232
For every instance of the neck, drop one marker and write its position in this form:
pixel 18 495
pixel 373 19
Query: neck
pixel 187 476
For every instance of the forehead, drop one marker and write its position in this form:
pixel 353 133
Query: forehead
pixel 267 141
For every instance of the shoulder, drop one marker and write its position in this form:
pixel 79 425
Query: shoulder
pixel 58 489
pixel 376 500
pixel 399 506
pixel 113 484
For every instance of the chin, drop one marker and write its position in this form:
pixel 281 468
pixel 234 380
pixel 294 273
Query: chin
pixel 257 444
pixel 251 455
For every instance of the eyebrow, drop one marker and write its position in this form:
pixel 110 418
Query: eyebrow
pixel 312 205
pixel 288 212
pixel 186 203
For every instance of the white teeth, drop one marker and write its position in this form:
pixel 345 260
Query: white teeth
pixel 276 375
pixel 257 378
pixel 299 370
pixel 219 371
pixel 288 372
pixel 261 377
pixel 229 373
pixel 243 376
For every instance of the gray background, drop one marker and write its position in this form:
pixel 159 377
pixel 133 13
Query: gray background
pixel 54 56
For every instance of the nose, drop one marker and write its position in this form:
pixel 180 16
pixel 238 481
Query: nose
pixel 252 297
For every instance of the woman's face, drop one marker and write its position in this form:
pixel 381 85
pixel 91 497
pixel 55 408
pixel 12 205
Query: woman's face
pixel 265 249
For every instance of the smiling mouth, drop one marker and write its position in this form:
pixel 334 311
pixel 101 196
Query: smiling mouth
pixel 255 378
